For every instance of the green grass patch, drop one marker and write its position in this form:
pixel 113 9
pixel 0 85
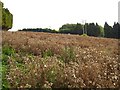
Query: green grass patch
pixel 47 53
pixel 68 54
pixel 7 52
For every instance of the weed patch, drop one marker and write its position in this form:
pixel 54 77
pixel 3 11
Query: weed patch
pixel 68 54
pixel 7 52
pixel 47 53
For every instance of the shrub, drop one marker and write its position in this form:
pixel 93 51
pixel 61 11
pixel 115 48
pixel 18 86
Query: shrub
pixel 84 35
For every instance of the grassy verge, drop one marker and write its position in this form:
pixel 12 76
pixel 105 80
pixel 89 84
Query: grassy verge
pixel 6 53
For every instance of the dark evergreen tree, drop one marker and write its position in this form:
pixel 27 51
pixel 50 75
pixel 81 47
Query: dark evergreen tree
pixel 108 30
pixel 91 29
pixel 116 30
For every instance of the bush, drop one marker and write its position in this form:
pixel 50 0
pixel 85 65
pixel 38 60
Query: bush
pixel 84 35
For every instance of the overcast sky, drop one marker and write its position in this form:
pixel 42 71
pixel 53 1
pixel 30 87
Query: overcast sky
pixel 54 13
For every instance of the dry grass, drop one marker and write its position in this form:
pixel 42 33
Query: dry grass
pixel 60 60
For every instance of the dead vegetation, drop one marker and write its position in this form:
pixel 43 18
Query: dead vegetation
pixel 44 60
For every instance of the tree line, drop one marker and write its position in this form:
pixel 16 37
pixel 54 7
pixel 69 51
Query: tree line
pixel 6 18
pixel 39 30
pixel 90 29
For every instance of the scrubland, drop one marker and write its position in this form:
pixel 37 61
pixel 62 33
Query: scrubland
pixel 45 60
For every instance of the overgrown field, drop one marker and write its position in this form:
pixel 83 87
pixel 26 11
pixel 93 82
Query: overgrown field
pixel 44 60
